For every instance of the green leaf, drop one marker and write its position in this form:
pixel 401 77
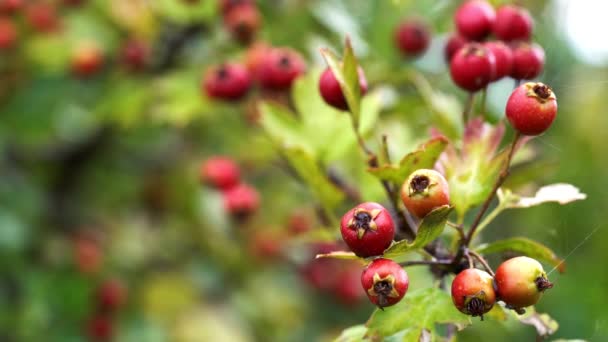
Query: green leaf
pixel 419 310
pixel 348 77
pixel 526 247
pixel 281 124
pixel 353 334
pixel 430 228
pixel 424 157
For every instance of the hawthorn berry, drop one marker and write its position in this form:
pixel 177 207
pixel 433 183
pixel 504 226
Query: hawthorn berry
pixel 42 16
pixel 134 54
pixel 331 91
pixel 367 229
pixel 473 292
pixel 385 282
pixel 472 67
pixel 528 60
pixel 280 67
pixel 423 191
pixel 346 287
pixel 299 222
pixel 243 22
pixel 254 57
pixel 88 255
pixel 100 328
pixel 8 34
pixel 321 274
pixel 513 23
pixel 229 81
pixel 241 201
pixel 503 59
pixel 531 108
pixel 220 172
pixel 412 37
pixel 474 19
pixel 227 5
pixel 87 60
pixel 520 282
pixel 10 6
pixel 454 43
pixel 111 295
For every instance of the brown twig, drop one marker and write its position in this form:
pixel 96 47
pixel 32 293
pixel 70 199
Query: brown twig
pixel 425 262
pixel 482 261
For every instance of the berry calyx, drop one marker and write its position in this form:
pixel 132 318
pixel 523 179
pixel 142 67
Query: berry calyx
pixel 472 67
pixel 111 295
pixel 385 282
pixel 528 60
pixel 332 93
pixel 229 81
pixel 473 292
pixel 412 37
pixel 423 191
pixel 474 19
pixel 367 229
pixel 513 23
pixel 241 201
pixel 220 172
pixel 243 22
pixel 531 108
pixel 503 59
pixel 87 60
pixel 281 66
pixel 453 44
pixel 521 281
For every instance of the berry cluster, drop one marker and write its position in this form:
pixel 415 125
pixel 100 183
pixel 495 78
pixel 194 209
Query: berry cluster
pixel 475 61
pixel 241 18
pixel 110 296
pixel 240 200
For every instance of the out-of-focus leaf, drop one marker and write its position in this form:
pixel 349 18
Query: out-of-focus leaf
pixel 352 334
pixel 283 126
pixel 184 12
pixel 542 322
pixel 419 310
pixel 339 255
pixel 430 228
pixel 424 157
pixel 561 193
pixel 177 101
pixel 125 102
pixel 526 247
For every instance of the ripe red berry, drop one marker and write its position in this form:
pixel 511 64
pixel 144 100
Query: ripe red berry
pixel 474 19
pixel 503 59
pixel 321 273
pixel 347 288
pixel 473 292
pixel 8 34
pixel 367 229
pixel 281 66
pixel 243 22
pixel 299 222
pixel 385 282
pixel 241 201
pixel 331 91
pixel 513 23
pixel 531 108
pixel 412 37
pixel 220 172
pixel 227 5
pixel 454 43
pixel 134 54
pixel 266 244
pixel 528 60
pixel 472 67
pixel 88 255
pixel 111 295
pixel 229 81
pixel 100 328
pixel 10 6
pixel 87 60
pixel 521 281
pixel 254 57
pixel 42 16
pixel 423 191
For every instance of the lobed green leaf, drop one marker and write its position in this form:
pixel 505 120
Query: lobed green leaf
pixel 526 247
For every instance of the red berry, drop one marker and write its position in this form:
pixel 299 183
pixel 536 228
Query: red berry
pixel 134 54
pixel 331 91
pixel 472 67
pixel 513 23
pixel 254 57
pixel 87 254
pixel 8 34
pixel 281 66
pixel 520 282
pixel 266 244
pixel 423 191
pixel 321 273
pixel 531 108
pixel 473 292
pixel 42 17
pixel 412 37
pixel 241 201
pixel 87 60
pixel 100 328
pixel 111 295
pixel 385 282
pixel 243 22
pixel 227 5
pixel 229 81
pixel 503 59
pixel 299 222
pixel 528 61
pixel 10 6
pixel 367 229
pixel 454 43
pixel 474 19
pixel 347 288
pixel 220 172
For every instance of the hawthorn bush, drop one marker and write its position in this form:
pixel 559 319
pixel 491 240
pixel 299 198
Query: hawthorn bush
pixel 197 170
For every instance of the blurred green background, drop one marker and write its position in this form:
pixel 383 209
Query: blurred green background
pixel 114 158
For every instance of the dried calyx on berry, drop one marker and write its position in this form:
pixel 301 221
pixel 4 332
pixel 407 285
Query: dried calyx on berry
pixel 385 282
pixel 473 292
